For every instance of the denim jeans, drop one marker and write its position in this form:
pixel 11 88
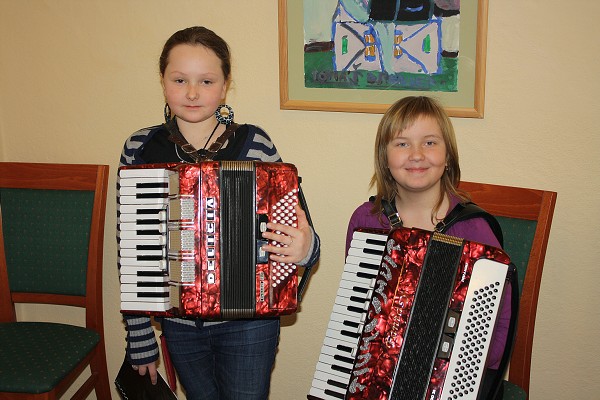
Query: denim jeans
pixel 228 361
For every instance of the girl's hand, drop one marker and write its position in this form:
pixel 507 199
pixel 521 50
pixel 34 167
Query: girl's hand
pixel 296 241
pixel 150 368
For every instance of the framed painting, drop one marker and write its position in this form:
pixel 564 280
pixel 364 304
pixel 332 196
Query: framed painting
pixel 363 55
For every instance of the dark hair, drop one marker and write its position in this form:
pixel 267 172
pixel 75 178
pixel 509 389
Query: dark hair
pixel 197 36
pixel 400 116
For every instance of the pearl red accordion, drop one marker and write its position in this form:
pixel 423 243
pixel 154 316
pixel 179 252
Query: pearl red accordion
pixel 190 238
pixel 413 318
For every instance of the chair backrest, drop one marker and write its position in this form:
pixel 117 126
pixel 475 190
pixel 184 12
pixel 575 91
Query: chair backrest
pixel 525 216
pixel 51 236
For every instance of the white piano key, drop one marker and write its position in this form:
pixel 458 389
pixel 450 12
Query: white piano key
pixel 339 326
pixel 138 191
pixel 320 393
pixel 150 200
pixel 350 297
pixel 135 226
pixel 141 209
pixel 143 173
pixel 128 252
pixel 324 385
pixel 321 381
pixel 327 368
pixel 142 306
pixel 159 214
pixel 344 318
pixel 128 182
pixel 363 245
pixel 334 334
pixel 334 351
pixel 130 262
pixel 337 344
pixel 149 241
pixel 352 251
pixel 359 280
pixel 135 278
pixel 361 235
pixel 138 296
pixel 136 235
pixel 135 288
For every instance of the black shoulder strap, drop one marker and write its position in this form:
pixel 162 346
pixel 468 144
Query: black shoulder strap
pixel 470 210
pixel 460 212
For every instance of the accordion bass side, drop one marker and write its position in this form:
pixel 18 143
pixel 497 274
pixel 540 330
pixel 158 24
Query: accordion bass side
pixel 190 238
pixel 426 323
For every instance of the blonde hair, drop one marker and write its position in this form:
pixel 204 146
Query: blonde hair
pixel 400 116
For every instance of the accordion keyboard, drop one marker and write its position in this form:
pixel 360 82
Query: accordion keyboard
pixel 142 239
pixel 347 318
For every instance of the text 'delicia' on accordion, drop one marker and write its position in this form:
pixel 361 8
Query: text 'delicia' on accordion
pixel 190 238
pixel 413 318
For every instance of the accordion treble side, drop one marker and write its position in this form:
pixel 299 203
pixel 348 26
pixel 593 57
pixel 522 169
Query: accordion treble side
pixel 423 328
pixel 190 238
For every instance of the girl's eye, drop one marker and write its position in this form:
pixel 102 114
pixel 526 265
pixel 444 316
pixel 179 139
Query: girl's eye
pixel 207 82
pixel 430 143
pixel 179 81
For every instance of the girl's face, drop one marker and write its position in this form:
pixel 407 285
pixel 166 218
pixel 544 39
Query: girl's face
pixel 417 157
pixel 193 82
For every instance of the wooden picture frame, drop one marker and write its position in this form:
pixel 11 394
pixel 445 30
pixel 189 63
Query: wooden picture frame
pixel 466 101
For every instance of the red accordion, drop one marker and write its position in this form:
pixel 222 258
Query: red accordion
pixel 190 238
pixel 422 327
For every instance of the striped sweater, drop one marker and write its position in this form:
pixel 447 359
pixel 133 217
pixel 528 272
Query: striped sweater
pixel 255 144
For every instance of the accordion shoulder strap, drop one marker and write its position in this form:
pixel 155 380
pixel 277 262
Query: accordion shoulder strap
pixel 470 210
pixel 460 212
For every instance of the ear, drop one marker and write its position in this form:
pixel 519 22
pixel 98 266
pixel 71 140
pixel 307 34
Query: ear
pixel 224 90
pixel 162 83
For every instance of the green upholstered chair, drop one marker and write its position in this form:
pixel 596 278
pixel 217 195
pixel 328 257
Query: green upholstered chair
pixel 525 216
pixel 51 244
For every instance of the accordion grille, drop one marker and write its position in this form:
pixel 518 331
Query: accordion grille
pixel 427 320
pixel 238 256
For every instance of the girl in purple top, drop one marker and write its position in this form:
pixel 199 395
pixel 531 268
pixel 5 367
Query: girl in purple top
pixel 417 170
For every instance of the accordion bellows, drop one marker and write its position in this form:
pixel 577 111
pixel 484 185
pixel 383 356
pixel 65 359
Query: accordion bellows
pixel 190 238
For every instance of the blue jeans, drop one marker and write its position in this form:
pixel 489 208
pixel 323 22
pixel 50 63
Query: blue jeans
pixel 229 361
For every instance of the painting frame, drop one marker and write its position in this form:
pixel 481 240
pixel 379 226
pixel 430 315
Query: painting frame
pixel 465 103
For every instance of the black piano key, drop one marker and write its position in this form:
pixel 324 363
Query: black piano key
pixel 142 247
pixel 341 369
pixel 344 348
pixel 350 323
pixel 149 258
pixel 334 394
pixel 350 334
pixel 151 273
pixel 357 299
pixel 340 385
pixel 373 251
pixel 146 211
pixel 149 232
pixel 376 242
pixel 150 185
pixel 344 359
pixel 148 221
pixel 374 267
pixel 355 309
pixel 152 284
pixel 151 195
pixel 360 289
pixel 365 275
pixel 151 294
